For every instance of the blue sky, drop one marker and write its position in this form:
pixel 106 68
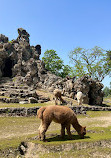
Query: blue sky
pixel 61 25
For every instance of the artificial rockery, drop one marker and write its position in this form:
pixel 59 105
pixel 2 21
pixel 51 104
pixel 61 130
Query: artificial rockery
pixel 22 72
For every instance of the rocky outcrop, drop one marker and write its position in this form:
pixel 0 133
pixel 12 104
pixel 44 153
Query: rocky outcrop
pixel 20 61
pixel 91 88
pixel 18 58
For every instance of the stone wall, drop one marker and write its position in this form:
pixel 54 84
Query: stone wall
pixel 33 111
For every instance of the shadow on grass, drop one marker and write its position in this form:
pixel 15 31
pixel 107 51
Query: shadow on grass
pixel 66 138
pixel 105 105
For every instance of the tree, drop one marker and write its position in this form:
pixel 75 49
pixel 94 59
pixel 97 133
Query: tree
pixel 55 64
pixel 90 62
pixel 109 60
pixel 66 71
pixel 109 56
pixel 107 92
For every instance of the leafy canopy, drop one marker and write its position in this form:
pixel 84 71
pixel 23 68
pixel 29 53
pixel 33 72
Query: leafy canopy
pixel 92 62
pixel 109 60
pixel 55 64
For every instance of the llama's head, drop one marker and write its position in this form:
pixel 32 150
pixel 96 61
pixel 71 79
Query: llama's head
pixel 82 132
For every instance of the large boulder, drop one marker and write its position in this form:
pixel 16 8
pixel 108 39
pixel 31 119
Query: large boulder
pixel 91 88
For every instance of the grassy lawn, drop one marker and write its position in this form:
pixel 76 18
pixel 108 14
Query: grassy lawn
pixel 96 152
pixel 14 130
pixel 17 105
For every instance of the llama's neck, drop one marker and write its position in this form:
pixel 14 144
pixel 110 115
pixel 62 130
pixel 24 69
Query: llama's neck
pixel 77 126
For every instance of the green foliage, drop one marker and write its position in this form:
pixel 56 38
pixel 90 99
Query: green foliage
pixel 10 41
pixel 109 57
pixel 109 60
pixel 91 62
pixel 55 64
pixel 107 92
pixel 66 69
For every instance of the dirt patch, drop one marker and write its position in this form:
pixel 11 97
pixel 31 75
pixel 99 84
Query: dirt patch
pixel 100 121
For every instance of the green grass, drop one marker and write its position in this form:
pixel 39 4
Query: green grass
pixel 93 114
pixel 84 153
pixel 100 134
pixel 107 101
pixel 26 128
pixel 17 105
pixel 16 129
pixel 11 143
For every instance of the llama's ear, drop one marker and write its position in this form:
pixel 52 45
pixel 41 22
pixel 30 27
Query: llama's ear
pixel 85 127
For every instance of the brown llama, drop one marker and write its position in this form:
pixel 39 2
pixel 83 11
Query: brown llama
pixel 58 96
pixel 62 115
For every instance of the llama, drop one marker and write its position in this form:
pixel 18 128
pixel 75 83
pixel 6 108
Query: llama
pixel 62 115
pixel 58 96
pixel 80 97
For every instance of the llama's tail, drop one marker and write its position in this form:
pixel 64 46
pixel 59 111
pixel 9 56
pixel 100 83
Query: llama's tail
pixel 40 112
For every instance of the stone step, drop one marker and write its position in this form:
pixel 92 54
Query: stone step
pixel 21 95
pixel 7 84
pixel 1 86
pixel 9 90
pixel 12 92
pixel 9 100
pixel 15 91
pixel 3 89
pixel 13 100
pixel 13 87
pixel 24 87
pixel 2 93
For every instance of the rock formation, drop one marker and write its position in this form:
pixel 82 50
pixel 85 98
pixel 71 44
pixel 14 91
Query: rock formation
pixel 21 62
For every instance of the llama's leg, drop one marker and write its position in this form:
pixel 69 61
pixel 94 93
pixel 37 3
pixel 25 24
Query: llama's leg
pixel 62 130
pixel 58 100
pixel 79 102
pixel 68 131
pixel 43 130
pixel 39 129
pixel 61 101
pixel 55 100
